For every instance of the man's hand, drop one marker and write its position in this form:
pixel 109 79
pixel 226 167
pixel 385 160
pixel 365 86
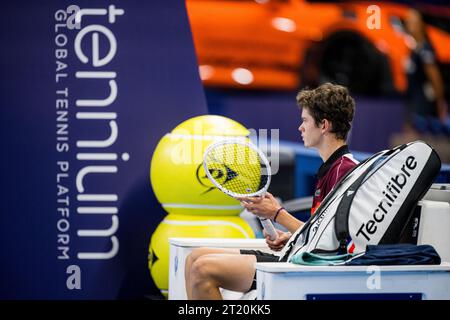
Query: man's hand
pixel 264 207
pixel 279 242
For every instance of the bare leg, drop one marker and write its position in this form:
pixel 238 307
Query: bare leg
pixel 193 256
pixel 213 271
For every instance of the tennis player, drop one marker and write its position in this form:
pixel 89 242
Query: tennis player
pixel 327 114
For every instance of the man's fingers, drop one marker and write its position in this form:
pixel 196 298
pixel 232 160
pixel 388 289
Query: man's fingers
pixel 243 200
pixel 257 199
pixel 274 248
pixel 278 241
pixel 274 243
pixel 250 199
pixel 247 205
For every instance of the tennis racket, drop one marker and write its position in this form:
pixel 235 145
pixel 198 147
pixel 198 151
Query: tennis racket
pixel 239 169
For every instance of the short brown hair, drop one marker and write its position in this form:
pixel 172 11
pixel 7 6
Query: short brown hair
pixel 331 102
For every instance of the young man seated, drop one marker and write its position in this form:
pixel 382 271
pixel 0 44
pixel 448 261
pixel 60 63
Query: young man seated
pixel 327 113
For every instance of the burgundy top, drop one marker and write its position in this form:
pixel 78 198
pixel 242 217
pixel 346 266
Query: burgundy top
pixel 330 172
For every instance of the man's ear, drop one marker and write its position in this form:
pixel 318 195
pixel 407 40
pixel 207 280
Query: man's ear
pixel 326 126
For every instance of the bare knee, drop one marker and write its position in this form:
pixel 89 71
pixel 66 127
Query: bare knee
pixel 189 260
pixel 194 255
pixel 202 270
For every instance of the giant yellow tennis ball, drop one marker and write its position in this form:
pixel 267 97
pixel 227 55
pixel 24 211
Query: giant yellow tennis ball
pixel 184 226
pixel 177 175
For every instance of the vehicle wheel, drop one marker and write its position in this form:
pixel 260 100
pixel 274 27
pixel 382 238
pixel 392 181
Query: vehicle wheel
pixel 350 60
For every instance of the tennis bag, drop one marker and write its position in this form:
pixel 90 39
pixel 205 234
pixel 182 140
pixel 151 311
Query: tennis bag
pixel 372 204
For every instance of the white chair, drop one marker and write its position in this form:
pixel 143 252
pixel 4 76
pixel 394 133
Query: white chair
pixel 434 225
pixel 287 281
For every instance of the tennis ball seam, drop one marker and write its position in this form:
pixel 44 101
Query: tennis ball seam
pixel 200 206
pixel 204 137
pixel 207 223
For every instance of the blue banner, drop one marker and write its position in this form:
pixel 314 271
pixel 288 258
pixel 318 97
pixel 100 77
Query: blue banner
pixel 88 88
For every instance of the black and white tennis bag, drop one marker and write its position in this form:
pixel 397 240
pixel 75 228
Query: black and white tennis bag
pixel 372 204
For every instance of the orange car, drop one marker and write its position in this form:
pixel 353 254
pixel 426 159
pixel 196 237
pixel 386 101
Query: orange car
pixel 285 44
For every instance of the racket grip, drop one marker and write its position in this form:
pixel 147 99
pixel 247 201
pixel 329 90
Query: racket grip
pixel 270 229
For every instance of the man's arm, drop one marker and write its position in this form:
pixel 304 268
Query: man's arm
pixel 433 74
pixel 289 221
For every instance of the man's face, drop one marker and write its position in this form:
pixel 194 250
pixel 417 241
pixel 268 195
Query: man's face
pixel 311 134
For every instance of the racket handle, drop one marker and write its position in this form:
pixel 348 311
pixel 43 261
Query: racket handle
pixel 270 229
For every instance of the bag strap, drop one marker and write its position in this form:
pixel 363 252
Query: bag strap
pixel 343 210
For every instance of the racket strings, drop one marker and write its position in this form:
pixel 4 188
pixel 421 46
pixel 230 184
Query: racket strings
pixel 236 168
